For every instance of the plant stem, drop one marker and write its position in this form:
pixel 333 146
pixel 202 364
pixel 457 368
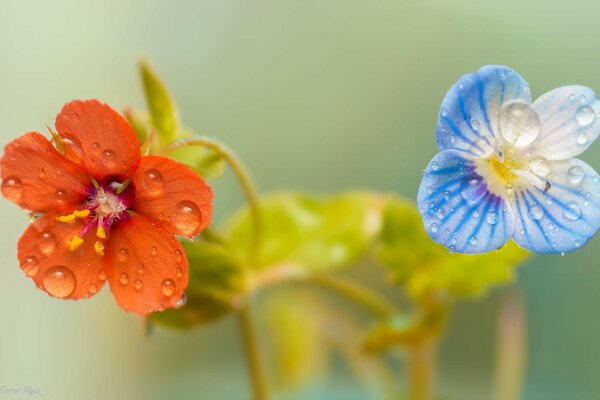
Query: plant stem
pixel 248 331
pixel 257 375
pixel 355 292
pixel 421 366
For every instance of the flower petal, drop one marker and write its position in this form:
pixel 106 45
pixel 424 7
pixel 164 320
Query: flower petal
pixel 149 269
pixel 44 256
pixel 569 122
pixel 38 178
pixel 98 138
pixel 565 216
pixel 173 193
pixel 468 118
pixel 458 211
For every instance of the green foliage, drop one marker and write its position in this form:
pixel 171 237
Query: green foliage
pixel 308 233
pixel 215 286
pixel 424 267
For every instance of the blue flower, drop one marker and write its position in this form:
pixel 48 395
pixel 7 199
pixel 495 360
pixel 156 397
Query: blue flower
pixel 506 166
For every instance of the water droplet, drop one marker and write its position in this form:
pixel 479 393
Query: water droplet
pixel 440 213
pixel 138 284
pixel 519 123
pixel 536 212
pixel 444 112
pixel 102 275
pixel 435 166
pixel 429 189
pixel 434 228
pixel 475 124
pixel 473 190
pixel 47 242
pixel 31 266
pixel 73 144
pixel 585 115
pixel 152 180
pixel 577 242
pixel 140 268
pixel 168 287
pixel 446 195
pixel 492 218
pixel 572 211
pixel 59 281
pixel 540 166
pixel 187 218
pixel 95 147
pixel 473 241
pixel 475 214
pixel 575 174
pixel 122 255
pixel 12 188
pixel 153 251
pixel 179 272
pixel 181 302
pixel 60 195
pixel 596 178
pixel 124 279
pixel 42 173
pixel 582 138
pixel 109 158
pixel 178 255
pixel 93 289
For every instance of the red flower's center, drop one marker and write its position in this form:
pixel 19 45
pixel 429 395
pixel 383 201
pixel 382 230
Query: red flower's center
pixel 107 204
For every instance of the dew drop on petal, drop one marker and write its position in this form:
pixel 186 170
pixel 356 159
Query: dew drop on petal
pixel 440 213
pixel 582 138
pixel 572 211
pixel 138 284
pixel 123 255
pixel 536 212
pixel 73 144
pixel 102 275
pixel 187 217
pixel 124 279
pixel 31 266
pixel 473 241
pixel 178 255
pixel 59 281
pixel 585 115
pixel 109 158
pixel 492 218
pixel 60 196
pixel 47 242
pixel 540 166
pixel 12 188
pixel 435 166
pixel 93 289
pixel 168 287
pixel 575 174
pixel 152 180
pixel 153 251
pixel 434 228
pixel 96 147
pixel 473 190
pixel 519 123
pixel 140 268
pixel 444 112
pixel 577 243
pixel 179 272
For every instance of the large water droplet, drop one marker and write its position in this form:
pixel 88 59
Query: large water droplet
pixel 124 279
pixel 109 158
pixel 138 284
pixel 575 174
pixel 519 123
pixel 59 281
pixel 582 138
pixel 536 212
pixel 31 266
pixel 123 254
pixel 540 166
pixel 585 115
pixel 473 190
pixel 47 242
pixel 152 181
pixel 168 287
pixel 572 211
pixel 492 218
pixel 12 188
pixel 187 217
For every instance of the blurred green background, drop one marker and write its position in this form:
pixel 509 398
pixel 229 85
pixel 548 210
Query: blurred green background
pixel 319 95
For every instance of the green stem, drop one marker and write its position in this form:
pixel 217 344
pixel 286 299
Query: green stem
pixel 355 292
pixel 248 331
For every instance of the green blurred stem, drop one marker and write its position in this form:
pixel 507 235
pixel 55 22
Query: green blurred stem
pixel 248 331
pixel 355 292
pixel 421 367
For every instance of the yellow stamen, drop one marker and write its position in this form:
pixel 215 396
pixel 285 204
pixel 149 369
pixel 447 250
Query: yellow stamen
pixel 73 216
pixel 503 169
pixel 99 247
pixel 100 232
pixel 82 213
pixel 75 242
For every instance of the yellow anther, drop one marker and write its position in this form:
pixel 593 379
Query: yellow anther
pixel 100 232
pixel 81 213
pixel 99 247
pixel 75 242
pixel 74 215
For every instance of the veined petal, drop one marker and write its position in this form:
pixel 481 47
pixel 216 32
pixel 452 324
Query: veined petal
pixel 39 178
pixel 458 210
pixel 149 270
pixel 563 217
pixel 46 257
pixel 98 138
pixel 468 118
pixel 569 122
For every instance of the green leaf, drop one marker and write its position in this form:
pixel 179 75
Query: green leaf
pixel 308 233
pixel 215 287
pixel 163 111
pixel 425 267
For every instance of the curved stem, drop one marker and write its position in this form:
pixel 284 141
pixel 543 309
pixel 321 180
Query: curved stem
pixel 251 347
pixel 355 292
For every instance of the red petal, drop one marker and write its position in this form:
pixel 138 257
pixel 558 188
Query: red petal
pixel 98 137
pixel 149 270
pixel 39 178
pixel 173 193
pixel 45 257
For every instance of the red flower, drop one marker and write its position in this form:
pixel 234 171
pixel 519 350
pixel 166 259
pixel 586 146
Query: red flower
pixel 108 212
